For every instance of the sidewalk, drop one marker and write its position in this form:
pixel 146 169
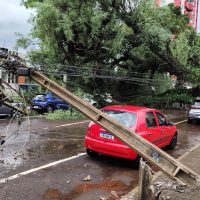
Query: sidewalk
pixel 192 160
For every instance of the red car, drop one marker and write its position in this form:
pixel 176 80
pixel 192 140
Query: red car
pixel 148 123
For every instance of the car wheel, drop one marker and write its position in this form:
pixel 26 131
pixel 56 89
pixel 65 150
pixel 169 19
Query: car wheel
pixel 11 113
pixel 136 162
pixel 173 142
pixel 92 154
pixel 50 109
pixel 189 121
pixel 40 112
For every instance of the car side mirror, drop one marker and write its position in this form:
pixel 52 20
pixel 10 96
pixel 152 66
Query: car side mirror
pixel 170 123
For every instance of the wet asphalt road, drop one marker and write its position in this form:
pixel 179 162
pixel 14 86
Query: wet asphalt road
pixel 47 141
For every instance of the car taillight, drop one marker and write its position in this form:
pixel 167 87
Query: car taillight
pixel 135 130
pixel 89 133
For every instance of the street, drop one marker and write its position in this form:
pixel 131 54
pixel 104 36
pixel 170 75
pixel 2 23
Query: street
pixel 40 162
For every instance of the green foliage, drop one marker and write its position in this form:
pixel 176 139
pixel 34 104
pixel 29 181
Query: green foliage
pixel 162 83
pixel 180 48
pixel 31 93
pixel 63 114
pixel 31 3
pixel 23 41
pixel 166 99
pixel 130 36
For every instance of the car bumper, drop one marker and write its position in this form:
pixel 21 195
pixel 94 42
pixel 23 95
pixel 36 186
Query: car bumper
pixel 36 107
pixel 112 149
pixel 196 117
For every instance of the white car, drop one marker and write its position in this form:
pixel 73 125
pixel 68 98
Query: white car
pixel 194 112
pixel 90 99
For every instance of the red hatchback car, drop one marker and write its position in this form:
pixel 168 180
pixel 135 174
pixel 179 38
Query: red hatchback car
pixel 146 122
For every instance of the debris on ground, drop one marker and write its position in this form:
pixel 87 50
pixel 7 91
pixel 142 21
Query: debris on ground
pixel 102 198
pixel 114 194
pixel 129 196
pixel 87 178
pixel 165 197
pixel 159 186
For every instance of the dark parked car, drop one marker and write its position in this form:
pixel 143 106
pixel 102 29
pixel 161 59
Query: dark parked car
pixel 48 103
pixel 194 112
pixel 5 111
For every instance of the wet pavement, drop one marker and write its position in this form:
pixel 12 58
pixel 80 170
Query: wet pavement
pixel 46 141
pixel 38 141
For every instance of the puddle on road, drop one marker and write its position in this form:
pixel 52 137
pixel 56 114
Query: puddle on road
pixel 188 137
pixel 106 185
pixel 53 194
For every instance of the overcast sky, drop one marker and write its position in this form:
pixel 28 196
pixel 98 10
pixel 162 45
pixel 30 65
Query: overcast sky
pixel 13 18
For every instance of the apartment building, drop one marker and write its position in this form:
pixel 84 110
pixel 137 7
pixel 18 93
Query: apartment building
pixel 9 77
pixel 188 7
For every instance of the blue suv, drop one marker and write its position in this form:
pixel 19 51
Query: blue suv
pixel 48 103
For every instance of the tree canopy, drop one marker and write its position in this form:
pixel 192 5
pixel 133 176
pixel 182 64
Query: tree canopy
pixel 132 38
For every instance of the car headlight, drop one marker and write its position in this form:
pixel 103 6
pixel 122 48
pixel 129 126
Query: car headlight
pixel 191 112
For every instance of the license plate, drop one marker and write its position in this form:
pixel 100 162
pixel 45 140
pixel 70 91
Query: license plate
pixel 37 107
pixel 107 136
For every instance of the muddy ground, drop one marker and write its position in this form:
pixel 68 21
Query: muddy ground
pixel 38 141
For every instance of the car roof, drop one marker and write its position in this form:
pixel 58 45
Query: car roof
pixel 128 108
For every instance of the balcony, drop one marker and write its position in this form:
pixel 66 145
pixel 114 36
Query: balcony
pixel 177 3
pixel 191 24
pixel 189 5
pixel 189 14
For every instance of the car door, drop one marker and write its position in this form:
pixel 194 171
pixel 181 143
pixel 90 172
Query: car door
pixel 59 103
pixel 165 130
pixel 152 130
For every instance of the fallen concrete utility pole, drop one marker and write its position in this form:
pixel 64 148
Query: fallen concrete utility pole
pixel 147 150
pixel 145 178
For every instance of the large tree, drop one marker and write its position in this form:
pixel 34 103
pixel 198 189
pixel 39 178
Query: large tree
pixel 98 36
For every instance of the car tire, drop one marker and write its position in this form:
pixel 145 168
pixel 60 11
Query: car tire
pixel 136 162
pixel 173 142
pixel 11 113
pixel 189 121
pixel 50 109
pixel 92 154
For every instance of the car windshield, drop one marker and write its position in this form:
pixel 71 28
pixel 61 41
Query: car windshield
pixel 39 97
pixel 125 118
pixel 194 110
pixel 197 103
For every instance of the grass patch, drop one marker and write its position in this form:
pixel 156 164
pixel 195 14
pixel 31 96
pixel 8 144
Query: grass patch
pixel 64 114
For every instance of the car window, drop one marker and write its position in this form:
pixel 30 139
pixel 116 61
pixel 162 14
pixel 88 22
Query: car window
pixel 150 119
pixel 195 110
pixel 161 119
pixel 197 103
pixel 50 95
pixel 40 97
pixel 125 118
